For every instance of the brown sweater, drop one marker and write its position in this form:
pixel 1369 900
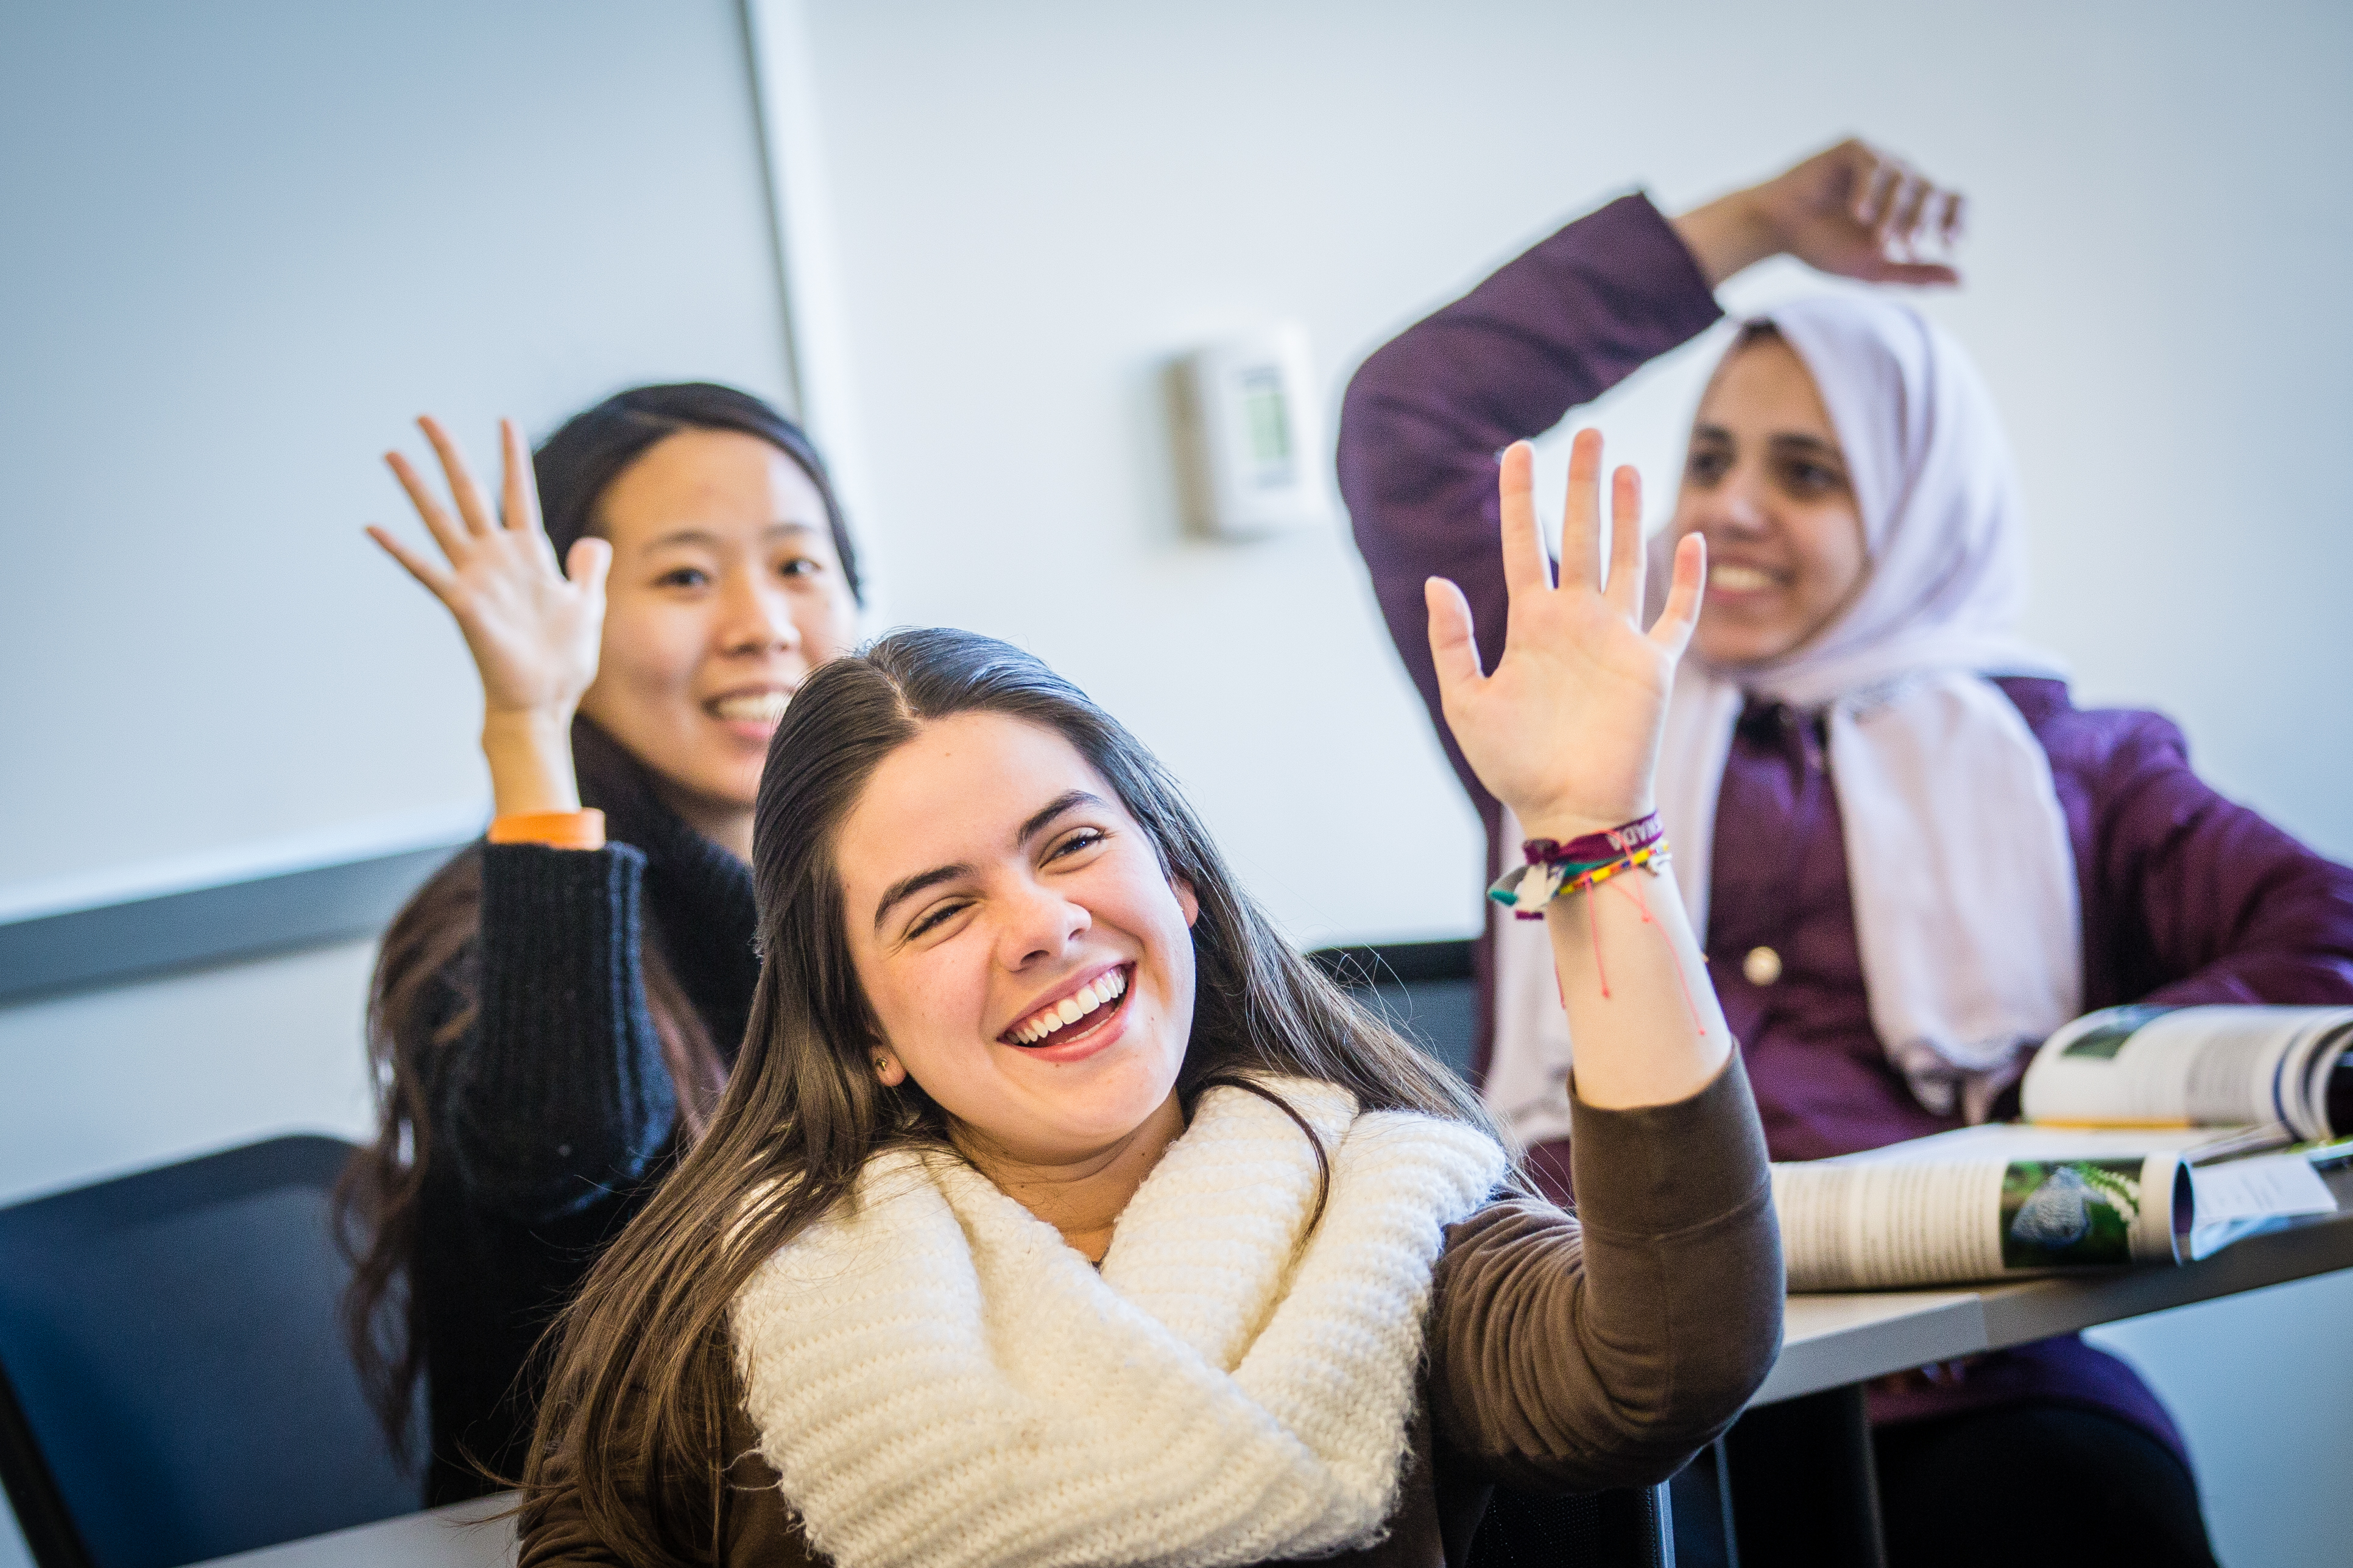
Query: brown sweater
pixel 1561 1357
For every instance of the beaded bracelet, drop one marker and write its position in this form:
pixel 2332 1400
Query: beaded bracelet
pixel 1579 866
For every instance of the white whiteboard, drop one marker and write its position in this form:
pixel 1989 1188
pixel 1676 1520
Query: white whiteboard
pixel 245 244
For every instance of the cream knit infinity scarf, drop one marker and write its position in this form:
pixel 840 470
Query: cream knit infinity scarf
pixel 940 1381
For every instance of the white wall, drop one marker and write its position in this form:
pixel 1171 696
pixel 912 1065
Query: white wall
pixel 1026 206
pixel 244 243
pixel 247 242
pixel 1032 203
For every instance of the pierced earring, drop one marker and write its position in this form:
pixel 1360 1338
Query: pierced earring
pixel 882 1064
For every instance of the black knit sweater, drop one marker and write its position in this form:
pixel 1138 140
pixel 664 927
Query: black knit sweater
pixel 553 1112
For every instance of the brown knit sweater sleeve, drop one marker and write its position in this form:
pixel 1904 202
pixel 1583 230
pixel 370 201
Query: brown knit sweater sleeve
pixel 1577 1354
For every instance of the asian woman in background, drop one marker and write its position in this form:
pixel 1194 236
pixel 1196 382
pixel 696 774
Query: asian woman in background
pixel 1912 855
pixel 554 1013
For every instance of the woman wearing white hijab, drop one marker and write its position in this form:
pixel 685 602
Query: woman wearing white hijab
pixel 1964 900
pixel 1911 854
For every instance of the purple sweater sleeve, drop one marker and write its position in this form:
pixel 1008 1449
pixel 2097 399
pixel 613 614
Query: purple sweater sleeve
pixel 2206 901
pixel 1427 416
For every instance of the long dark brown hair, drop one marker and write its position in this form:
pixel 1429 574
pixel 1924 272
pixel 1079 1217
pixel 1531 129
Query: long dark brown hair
pixel 630 1426
pixel 426 988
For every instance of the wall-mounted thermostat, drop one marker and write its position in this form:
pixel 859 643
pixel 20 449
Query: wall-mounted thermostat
pixel 1249 436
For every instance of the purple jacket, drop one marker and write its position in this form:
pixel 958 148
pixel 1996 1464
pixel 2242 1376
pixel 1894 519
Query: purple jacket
pixel 2186 896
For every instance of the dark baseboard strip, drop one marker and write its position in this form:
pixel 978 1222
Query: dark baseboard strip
pixel 115 943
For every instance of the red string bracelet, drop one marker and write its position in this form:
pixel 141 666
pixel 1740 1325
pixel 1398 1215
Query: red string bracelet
pixel 1583 865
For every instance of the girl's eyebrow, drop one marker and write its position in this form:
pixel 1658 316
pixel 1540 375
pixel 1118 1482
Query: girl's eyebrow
pixel 692 535
pixel 1790 440
pixel 908 887
pixel 1069 800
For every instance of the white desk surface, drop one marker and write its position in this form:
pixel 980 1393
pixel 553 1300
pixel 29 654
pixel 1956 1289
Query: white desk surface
pixel 463 1535
pixel 1828 1340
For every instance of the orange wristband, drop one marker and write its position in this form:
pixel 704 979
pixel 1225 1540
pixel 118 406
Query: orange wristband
pixel 555 829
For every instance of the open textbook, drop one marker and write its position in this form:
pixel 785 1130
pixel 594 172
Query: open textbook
pixel 2202 1067
pixel 2015 1200
pixel 2166 1134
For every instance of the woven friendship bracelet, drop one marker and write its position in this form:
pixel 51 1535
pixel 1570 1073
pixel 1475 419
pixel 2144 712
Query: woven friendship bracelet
pixel 1597 848
pixel 1579 866
pixel 1527 890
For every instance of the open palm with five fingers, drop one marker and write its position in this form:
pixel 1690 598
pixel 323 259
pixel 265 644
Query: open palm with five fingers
pixel 1566 729
pixel 534 630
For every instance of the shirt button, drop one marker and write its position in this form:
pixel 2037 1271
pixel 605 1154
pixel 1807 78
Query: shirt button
pixel 1762 966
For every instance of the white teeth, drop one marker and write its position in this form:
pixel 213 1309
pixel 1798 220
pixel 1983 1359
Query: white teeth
pixel 1071 1008
pixel 1738 579
pixel 754 707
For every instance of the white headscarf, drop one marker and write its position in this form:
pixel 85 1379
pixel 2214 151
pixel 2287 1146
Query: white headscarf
pixel 1967 910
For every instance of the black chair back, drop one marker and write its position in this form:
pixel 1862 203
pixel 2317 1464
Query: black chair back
pixel 174 1384
pixel 1634 1527
pixel 1429 990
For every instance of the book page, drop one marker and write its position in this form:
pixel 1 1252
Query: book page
pixel 2007 1141
pixel 1865 1224
pixel 2305 1078
pixel 2160 1066
pixel 2268 1187
pixel 1861 1227
pixel 2240 1198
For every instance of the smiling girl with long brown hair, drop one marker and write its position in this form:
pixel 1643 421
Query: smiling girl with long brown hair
pixel 1058 1213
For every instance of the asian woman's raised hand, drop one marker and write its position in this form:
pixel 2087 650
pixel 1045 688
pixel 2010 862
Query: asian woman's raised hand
pixel 1566 729
pixel 534 630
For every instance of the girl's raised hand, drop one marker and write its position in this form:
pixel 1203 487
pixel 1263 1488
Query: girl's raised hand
pixel 1853 210
pixel 1566 730
pixel 534 630
pixel 1859 211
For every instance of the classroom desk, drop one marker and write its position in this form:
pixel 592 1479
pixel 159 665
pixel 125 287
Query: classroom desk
pixel 1827 1340
pixel 1832 1346
pixel 1808 1453
pixel 462 1535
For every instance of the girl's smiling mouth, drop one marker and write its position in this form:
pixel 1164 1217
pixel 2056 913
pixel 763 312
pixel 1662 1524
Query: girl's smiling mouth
pixel 1739 578
pixel 752 713
pixel 1074 1015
